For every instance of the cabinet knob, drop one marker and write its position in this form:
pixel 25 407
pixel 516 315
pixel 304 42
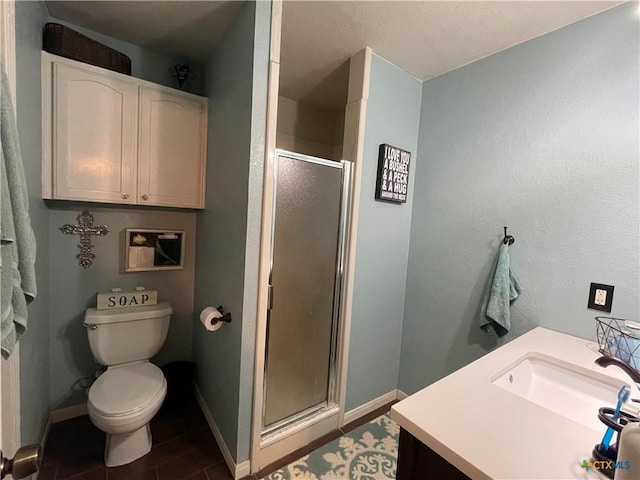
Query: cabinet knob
pixel 145 197
pixel 124 196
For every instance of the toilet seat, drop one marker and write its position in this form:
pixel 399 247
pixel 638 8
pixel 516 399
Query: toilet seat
pixel 126 390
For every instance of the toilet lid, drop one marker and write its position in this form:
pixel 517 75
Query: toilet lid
pixel 123 390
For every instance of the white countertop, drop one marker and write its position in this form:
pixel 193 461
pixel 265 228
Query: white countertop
pixel 488 432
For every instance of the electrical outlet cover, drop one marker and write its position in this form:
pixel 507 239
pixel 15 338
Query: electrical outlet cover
pixel 600 297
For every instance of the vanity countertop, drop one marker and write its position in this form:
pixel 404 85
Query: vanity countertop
pixel 488 432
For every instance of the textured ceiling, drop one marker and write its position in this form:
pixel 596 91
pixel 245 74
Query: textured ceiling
pixel 425 38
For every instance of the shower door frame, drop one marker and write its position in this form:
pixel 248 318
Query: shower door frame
pixel 275 429
pixel 284 438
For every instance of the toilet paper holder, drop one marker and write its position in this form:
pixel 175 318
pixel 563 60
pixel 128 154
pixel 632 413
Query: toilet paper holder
pixel 226 317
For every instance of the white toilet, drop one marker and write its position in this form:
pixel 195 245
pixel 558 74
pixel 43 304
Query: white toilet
pixel 124 399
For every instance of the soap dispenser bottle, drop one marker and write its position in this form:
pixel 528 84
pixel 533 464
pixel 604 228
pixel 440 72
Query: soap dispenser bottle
pixel 628 465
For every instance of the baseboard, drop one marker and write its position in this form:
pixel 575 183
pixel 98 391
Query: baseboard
pixel 240 470
pixel 369 407
pixel 243 469
pixel 401 395
pixel 67 413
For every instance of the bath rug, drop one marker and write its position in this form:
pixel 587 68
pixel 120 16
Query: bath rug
pixel 369 452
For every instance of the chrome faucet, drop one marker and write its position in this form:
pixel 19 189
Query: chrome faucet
pixel 605 361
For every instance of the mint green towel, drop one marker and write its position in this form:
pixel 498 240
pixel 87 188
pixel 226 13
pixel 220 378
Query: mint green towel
pixel 17 242
pixel 495 313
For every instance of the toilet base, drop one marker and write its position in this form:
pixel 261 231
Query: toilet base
pixel 121 449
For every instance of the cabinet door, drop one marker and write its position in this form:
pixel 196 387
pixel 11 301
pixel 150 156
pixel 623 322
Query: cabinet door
pixel 171 154
pixel 94 136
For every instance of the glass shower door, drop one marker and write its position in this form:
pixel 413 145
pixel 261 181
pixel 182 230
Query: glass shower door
pixel 306 269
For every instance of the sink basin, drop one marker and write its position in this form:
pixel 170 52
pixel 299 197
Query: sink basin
pixel 566 389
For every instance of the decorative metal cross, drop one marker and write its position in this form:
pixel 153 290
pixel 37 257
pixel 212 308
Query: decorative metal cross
pixel 85 229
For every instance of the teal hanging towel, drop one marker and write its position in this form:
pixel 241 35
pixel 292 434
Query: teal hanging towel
pixel 495 314
pixel 17 241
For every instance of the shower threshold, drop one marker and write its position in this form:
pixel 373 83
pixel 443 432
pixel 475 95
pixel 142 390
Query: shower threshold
pixel 297 422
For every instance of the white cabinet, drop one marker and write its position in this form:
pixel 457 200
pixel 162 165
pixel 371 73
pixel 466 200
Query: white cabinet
pixel 111 138
pixel 170 148
pixel 94 136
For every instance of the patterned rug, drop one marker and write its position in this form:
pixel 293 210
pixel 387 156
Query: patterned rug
pixel 367 453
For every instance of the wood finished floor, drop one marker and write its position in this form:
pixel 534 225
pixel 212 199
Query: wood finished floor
pixel 183 449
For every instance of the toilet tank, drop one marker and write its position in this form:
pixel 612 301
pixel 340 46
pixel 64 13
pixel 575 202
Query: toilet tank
pixel 124 335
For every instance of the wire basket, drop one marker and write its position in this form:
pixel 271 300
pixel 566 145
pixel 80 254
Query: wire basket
pixel 619 338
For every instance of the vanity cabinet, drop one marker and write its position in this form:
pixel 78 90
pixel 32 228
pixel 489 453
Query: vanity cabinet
pixel 111 138
pixel 416 460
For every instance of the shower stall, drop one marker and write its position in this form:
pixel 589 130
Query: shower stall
pixel 307 250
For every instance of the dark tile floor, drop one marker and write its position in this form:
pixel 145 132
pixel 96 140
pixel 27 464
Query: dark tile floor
pixel 183 449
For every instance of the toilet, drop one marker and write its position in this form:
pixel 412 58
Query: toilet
pixel 124 399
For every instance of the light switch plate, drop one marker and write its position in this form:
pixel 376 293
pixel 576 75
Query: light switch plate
pixel 600 297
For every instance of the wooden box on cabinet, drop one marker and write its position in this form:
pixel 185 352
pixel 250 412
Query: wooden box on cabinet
pixel 111 138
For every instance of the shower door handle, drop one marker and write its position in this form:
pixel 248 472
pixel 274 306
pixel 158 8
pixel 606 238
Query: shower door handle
pixel 270 297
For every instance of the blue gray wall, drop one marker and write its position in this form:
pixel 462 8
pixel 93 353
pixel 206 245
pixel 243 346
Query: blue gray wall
pixel 393 117
pixel 542 137
pixel 261 55
pixel 34 345
pixel 73 289
pixel 229 226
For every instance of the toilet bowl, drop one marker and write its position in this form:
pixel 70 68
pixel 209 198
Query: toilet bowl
pixel 122 402
pixel 124 399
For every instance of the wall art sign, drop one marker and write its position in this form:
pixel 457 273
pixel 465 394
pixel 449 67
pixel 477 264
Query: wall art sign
pixel 392 181
pixel 118 299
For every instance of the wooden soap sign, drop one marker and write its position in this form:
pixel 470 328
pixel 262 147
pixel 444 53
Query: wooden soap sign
pixel 139 298
pixel 392 181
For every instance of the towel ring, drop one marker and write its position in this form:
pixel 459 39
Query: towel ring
pixel 508 239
